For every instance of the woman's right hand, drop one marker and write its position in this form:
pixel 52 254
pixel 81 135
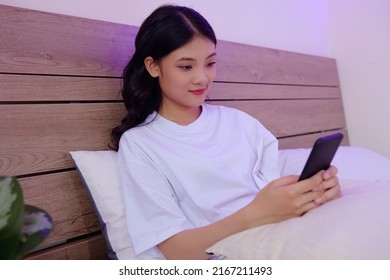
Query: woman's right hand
pixel 285 198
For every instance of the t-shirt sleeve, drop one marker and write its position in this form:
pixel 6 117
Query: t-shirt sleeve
pixel 266 168
pixel 152 211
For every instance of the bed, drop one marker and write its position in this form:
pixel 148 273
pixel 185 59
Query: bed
pixel 60 96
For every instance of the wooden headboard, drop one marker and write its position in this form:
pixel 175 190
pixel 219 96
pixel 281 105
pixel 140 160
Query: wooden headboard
pixel 60 91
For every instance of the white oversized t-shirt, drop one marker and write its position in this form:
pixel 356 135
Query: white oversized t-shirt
pixel 181 177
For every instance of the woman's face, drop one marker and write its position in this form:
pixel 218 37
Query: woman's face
pixel 185 76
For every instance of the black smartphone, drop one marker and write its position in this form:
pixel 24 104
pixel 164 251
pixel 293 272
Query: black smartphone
pixel 321 155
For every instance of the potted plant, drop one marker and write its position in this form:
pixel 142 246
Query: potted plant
pixel 22 227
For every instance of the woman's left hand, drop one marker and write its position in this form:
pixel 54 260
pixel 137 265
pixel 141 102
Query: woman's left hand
pixel 329 188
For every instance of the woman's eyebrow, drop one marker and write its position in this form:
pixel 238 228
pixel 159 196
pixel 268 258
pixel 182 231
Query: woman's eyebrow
pixel 193 59
pixel 186 59
pixel 211 55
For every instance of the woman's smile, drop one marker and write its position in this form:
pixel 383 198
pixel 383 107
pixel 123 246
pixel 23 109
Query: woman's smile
pixel 199 91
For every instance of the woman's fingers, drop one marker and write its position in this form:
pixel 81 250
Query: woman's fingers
pixel 326 188
pixel 329 173
pixel 311 199
pixel 328 195
pixel 307 207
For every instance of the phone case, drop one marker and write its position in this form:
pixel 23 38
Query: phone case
pixel 321 155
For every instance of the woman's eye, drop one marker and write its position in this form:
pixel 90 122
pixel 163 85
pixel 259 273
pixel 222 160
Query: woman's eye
pixel 211 64
pixel 185 67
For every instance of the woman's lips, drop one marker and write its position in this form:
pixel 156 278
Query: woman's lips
pixel 198 91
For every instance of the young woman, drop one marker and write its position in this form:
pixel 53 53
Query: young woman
pixel 193 173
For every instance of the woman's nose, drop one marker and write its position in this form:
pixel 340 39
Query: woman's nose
pixel 201 77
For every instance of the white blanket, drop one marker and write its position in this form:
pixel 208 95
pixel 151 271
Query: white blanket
pixel 354 226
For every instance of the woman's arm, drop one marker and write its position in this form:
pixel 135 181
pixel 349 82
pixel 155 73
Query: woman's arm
pixel 281 199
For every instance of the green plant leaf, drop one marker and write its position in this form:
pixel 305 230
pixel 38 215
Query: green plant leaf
pixel 11 217
pixel 22 227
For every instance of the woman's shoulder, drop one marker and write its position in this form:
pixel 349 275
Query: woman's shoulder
pixel 233 117
pixel 136 134
pixel 229 112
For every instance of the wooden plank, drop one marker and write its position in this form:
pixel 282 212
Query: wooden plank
pixel 47 43
pixel 89 248
pixel 262 91
pixel 292 117
pixel 307 141
pixel 57 88
pixel 252 64
pixel 38 137
pixel 64 197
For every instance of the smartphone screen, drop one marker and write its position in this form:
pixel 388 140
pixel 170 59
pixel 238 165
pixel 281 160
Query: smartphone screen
pixel 321 155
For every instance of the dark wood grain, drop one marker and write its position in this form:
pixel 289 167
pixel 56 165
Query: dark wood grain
pixel 293 117
pixel 244 63
pixel 89 248
pixel 30 88
pixel 307 141
pixel 64 197
pixel 45 43
pixel 38 137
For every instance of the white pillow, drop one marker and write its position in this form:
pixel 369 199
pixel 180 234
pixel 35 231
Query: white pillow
pixel 354 226
pixel 352 163
pixel 99 171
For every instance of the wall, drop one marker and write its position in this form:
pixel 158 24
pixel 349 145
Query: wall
pixel 360 41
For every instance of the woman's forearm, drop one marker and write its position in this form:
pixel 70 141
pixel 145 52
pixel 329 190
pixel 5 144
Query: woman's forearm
pixel 192 244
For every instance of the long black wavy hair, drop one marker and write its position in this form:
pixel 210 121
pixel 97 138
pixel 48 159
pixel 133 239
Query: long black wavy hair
pixel 165 30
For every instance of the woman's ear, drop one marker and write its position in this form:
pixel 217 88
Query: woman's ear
pixel 152 67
